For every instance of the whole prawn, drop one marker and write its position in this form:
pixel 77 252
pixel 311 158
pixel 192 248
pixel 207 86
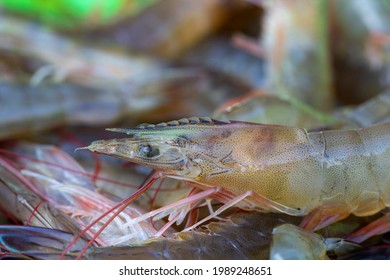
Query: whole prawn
pixel 329 174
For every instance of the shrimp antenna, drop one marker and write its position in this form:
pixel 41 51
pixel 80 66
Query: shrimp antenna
pixel 121 205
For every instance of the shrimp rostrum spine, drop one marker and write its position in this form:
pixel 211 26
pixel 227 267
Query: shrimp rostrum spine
pixel 295 170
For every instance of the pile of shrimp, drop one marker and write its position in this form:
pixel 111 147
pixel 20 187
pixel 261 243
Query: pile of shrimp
pixel 247 141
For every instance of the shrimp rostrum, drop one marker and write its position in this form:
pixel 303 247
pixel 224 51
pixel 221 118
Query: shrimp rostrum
pixel 326 174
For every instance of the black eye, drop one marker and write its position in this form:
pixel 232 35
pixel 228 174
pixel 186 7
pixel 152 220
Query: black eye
pixel 149 151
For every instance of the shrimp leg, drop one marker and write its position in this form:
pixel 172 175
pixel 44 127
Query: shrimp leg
pixel 324 216
pixel 263 201
pixel 377 227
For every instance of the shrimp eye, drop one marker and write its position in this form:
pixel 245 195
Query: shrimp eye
pixel 149 151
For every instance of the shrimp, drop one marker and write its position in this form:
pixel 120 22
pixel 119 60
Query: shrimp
pixel 244 235
pixel 295 45
pixel 329 174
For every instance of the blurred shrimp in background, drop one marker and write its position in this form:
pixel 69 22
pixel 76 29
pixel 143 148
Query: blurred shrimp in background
pixel 70 69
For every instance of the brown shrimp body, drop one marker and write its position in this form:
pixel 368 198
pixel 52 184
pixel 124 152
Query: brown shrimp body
pixel 347 169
